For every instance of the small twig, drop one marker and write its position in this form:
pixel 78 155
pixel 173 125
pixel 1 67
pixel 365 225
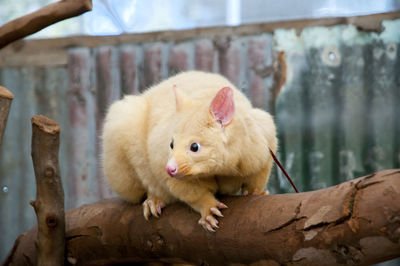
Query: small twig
pixel 283 170
pixel 49 203
pixel 44 17
pixel 5 103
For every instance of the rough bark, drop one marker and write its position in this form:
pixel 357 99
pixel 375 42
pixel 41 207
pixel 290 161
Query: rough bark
pixel 49 202
pixel 5 103
pixel 44 17
pixel 354 223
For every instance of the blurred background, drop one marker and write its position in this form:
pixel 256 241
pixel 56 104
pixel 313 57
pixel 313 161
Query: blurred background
pixel 327 70
pixel 112 17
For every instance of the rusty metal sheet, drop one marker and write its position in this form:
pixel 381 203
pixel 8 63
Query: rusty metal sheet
pixel 108 90
pixel 38 90
pixel 348 95
pixel 16 171
pixel 83 182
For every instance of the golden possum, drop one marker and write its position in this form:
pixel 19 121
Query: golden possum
pixel 187 138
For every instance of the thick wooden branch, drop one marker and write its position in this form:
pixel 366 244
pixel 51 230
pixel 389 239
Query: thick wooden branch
pixel 49 202
pixel 6 98
pixel 354 223
pixel 44 17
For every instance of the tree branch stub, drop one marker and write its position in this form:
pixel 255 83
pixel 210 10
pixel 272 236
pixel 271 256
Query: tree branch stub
pixel 6 98
pixel 49 202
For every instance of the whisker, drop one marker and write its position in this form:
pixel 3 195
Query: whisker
pixel 184 168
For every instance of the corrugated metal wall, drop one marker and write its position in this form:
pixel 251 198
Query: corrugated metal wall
pixel 334 93
pixel 338 112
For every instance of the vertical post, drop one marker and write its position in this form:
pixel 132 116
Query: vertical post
pixel 5 103
pixel 83 181
pixel 49 202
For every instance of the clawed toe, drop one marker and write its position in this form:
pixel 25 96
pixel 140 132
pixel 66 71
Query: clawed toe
pixel 146 210
pixel 209 222
pixel 152 207
pixel 220 205
pixel 216 212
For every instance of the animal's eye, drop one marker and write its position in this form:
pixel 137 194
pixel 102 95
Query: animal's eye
pixel 194 147
pixel 172 144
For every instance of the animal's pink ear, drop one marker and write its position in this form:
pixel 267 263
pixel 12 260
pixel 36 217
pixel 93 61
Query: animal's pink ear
pixel 222 106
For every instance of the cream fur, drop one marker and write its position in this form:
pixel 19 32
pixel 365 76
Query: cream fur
pixel 138 131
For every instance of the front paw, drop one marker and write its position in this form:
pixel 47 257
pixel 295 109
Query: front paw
pixel 152 207
pixel 208 221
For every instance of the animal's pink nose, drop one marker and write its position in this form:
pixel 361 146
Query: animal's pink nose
pixel 172 167
pixel 171 171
